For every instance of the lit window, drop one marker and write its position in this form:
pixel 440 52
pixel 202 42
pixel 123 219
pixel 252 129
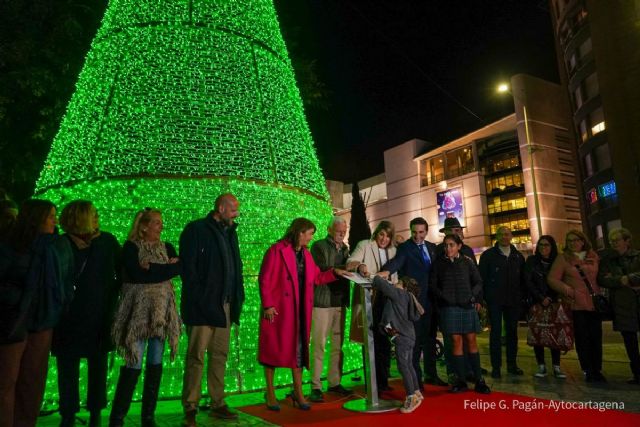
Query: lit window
pixel 597 128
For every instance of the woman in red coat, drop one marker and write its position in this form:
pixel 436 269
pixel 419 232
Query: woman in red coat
pixel 287 277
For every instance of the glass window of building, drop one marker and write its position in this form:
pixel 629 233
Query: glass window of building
pixel 577 97
pixel 499 183
pixel 515 222
pixel 585 48
pixel 506 203
pixel 433 170
pixel 602 157
pixel 588 165
pixel 599 235
pixel 460 162
pixel 597 121
pixel 584 135
pixel 591 86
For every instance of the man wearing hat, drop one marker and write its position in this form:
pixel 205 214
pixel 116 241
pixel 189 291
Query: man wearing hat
pixel 452 226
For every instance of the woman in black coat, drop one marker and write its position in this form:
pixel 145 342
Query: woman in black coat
pixel 35 265
pixel 456 282
pixel 84 329
pixel 536 270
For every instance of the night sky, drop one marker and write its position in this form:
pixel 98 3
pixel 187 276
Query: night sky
pixel 400 69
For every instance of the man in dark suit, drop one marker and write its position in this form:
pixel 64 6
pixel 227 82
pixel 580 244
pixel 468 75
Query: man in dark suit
pixel 415 258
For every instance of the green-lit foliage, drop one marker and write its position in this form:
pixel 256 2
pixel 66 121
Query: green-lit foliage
pixel 178 102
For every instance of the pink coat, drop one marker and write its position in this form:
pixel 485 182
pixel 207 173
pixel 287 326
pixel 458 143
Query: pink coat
pixel 279 288
pixel 565 279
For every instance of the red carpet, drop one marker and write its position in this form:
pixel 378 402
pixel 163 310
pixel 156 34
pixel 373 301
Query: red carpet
pixel 441 408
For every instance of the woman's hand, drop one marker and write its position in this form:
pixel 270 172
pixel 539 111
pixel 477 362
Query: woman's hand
pixel 270 314
pixel 341 272
pixel 144 265
pixel 353 265
pixel 173 260
pixel 363 270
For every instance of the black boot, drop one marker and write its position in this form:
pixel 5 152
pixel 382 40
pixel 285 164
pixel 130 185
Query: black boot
pixel 127 382
pixel 459 367
pixel 152 377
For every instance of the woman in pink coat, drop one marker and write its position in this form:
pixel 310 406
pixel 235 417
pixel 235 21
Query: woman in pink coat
pixel 569 275
pixel 287 277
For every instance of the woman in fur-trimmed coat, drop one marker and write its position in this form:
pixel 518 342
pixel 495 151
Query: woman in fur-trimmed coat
pixel 147 315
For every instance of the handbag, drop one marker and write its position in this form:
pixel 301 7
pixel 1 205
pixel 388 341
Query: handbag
pixel 551 326
pixel 600 303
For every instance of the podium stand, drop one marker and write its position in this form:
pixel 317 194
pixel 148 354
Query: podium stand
pixel 371 403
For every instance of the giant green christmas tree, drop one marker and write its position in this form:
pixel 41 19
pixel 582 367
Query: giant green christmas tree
pixel 178 102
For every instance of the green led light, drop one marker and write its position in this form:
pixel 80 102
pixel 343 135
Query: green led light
pixel 177 103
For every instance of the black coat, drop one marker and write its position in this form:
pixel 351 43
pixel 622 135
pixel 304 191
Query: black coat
pixel 536 280
pixel 456 283
pixel 85 327
pixel 204 277
pixel 502 277
pixel 624 300
pixel 408 262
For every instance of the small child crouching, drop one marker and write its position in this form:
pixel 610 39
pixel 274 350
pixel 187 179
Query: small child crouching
pixel 401 310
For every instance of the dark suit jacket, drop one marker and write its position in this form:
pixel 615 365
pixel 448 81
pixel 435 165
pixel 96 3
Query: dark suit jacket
pixel 409 262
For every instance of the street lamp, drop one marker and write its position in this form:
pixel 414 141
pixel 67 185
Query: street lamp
pixel 504 88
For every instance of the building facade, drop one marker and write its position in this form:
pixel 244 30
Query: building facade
pixel 597 45
pixel 484 178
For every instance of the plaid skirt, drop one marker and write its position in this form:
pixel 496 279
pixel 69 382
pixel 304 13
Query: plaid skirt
pixel 458 320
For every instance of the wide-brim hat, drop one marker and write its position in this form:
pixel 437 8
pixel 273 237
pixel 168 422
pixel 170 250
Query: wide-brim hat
pixel 450 223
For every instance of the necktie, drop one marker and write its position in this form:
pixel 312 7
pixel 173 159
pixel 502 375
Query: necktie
pixel 423 252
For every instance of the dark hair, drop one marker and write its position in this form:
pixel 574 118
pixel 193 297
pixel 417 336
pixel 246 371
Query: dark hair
pixel 385 226
pixel 33 213
pixel 552 242
pixel 418 221
pixel 297 226
pixel 411 285
pixel 453 237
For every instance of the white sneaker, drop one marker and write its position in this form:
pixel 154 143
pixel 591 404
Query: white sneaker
pixel 410 404
pixel 542 372
pixel 419 395
pixel 558 373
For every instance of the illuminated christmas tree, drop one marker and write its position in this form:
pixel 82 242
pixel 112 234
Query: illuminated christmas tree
pixel 178 102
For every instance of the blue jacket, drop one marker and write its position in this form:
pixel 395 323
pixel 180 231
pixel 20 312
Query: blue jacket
pixel 204 274
pixel 409 262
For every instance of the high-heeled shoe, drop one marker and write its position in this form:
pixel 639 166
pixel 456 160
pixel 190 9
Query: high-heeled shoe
pixel 275 408
pixel 296 401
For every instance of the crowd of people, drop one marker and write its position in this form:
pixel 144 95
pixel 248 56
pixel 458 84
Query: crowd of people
pixel 81 295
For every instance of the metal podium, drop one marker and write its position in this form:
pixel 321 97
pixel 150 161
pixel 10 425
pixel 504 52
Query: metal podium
pixel 371 403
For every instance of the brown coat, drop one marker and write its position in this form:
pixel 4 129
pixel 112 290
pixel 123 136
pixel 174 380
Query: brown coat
pixel 565 279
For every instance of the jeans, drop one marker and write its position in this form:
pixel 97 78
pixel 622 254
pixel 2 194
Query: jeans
pixel 155 348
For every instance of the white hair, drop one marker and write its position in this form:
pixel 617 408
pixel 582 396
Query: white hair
pixel 336 220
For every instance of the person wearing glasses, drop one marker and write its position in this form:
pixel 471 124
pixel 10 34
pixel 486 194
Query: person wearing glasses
pixel 620 272
pixel 536 270
pixel 571 275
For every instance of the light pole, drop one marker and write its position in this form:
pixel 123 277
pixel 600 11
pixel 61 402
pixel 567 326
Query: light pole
pixel 504 88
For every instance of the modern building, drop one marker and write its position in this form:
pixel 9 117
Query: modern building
pixel 485 178
pixel 598 50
